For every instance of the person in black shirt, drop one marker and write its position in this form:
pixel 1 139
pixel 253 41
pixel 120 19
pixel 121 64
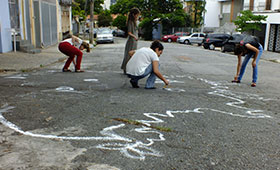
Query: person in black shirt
pixel 251 48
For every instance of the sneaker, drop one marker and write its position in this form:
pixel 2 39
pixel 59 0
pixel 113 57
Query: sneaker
pixel 134 84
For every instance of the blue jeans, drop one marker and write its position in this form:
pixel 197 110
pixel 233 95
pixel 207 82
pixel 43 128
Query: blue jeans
pixel 245 62
pixel 151 79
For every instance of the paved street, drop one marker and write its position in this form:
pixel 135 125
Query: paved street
pixel 96 121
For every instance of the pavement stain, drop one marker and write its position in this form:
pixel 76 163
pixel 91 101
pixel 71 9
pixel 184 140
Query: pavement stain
pixel 137 123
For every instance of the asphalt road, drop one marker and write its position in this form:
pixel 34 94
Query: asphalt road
pixel 95 120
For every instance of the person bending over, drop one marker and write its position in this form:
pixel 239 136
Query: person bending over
pixel 73 47
pixel 251 48
pixel 144 62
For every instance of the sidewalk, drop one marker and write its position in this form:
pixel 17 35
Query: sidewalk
pixel 21 62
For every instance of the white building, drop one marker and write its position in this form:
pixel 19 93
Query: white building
pixel 271 27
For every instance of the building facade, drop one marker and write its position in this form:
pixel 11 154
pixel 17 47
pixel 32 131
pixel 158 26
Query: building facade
pixel 41 23
pixel 270 33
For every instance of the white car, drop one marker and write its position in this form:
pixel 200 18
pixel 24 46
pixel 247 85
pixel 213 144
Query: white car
pixel 104 36
pixel 194 38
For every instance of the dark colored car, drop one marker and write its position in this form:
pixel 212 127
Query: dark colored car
pixel 215 40
pixel 119 33
pixel 229 45
pixel 173 37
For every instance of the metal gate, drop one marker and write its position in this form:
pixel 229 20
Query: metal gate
pixel 274 38
pixel 49 23
pixel 28 24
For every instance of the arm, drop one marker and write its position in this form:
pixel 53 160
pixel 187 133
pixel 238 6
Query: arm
pixel 131 53
pixel 254 49
pixel 157 73
pixel 75 40
pixel 238 67
pixel 132 35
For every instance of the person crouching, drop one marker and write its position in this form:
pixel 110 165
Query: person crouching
pixel 144 62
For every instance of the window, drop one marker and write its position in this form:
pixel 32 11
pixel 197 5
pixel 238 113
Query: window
pixel 195 35
pixel 201 35
pixel 268 5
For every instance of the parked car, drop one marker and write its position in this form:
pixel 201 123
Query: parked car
pixel 214 40
pixel 118 33
pixel 229 44
pixel 194 38
pixel 173 37
pixel 104 36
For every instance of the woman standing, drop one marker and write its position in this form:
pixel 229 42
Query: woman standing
pixel 132 31
pixel 72 47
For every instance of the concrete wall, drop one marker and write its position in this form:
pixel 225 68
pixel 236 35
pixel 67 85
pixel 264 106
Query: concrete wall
pixel 212 13
pixel 5 26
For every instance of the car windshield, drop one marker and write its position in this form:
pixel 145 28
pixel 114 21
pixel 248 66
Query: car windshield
pixel 104 32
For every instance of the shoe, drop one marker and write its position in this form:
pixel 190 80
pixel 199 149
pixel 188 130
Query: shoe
pixel 134 84
pixel 66 70
pixel 150 87
pixel 235 81
pixel 79 71
pixel 253 85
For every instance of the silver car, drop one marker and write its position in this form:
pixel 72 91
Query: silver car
pixel 104 36
pixel 194 38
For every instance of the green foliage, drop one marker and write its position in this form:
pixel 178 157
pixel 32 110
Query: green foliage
pixel 197 10
pixel 120 22
pixel 82 7
pixel 104 19
pixel 248 21
pixel 170 12
pixel 147 28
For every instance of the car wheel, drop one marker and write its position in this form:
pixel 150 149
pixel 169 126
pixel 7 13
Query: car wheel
pixel 212 47
pixel 187 42
pixel 206 46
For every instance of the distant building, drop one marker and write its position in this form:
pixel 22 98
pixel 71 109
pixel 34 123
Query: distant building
pixel 270 33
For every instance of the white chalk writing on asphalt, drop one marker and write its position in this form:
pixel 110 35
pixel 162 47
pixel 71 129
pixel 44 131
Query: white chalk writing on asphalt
pixel 136 149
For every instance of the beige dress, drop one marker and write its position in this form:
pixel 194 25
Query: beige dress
pixel 131 43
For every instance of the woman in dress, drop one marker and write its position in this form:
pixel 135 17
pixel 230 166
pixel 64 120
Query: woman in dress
pixel 132 31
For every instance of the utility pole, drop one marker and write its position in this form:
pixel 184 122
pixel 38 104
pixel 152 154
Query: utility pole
pixel 91 22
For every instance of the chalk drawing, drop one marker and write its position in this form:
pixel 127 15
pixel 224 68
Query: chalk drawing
pixel 136 149
pixel 64 89
pixel 108 133
pixel 18 76
pixel 91 80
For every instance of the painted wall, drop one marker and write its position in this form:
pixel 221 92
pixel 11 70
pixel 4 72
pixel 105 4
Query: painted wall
pixel 5 26
pixel 212 13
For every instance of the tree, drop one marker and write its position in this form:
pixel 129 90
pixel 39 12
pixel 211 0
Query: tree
pixel 105 19
pixel 82 7
pixel 120 22
pixel 169 10
pixel 197 10
pixel 248 21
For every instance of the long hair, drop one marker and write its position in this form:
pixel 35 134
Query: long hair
pixel 131 15
pixel 86 46
pixel 239 49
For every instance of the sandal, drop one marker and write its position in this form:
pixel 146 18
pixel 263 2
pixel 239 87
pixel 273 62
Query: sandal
pixel 253 85
pixel 66 70
pixel 79 71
